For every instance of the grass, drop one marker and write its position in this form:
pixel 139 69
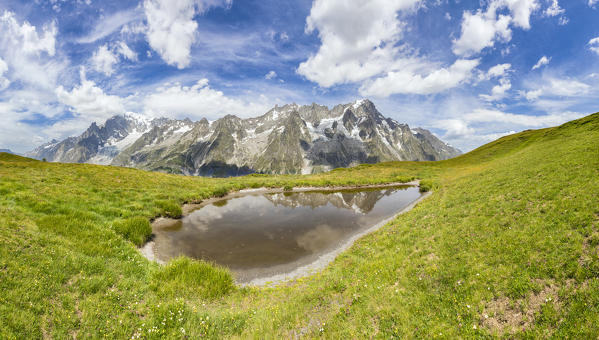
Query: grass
pixel 135 229
pixel 506 246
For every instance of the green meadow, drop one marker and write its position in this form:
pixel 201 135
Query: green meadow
pixel 506 246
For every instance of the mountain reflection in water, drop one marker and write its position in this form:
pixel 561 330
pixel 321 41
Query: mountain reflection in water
pixel 261 234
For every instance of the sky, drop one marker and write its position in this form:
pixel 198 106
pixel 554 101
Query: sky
pixel 470 71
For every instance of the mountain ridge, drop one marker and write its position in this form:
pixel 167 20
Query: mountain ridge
pixel 288 139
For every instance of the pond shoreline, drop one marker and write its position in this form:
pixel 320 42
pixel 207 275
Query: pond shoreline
pixel 326 259
pixel 190 207
pixel 148 249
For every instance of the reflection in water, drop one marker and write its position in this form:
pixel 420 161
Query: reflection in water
pixel 259 235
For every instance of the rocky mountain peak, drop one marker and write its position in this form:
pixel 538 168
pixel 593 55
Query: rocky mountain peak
pixel 286 139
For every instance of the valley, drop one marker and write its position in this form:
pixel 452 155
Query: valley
pixel 506 246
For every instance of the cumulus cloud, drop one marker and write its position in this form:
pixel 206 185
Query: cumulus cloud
pixel 103 60
pixel 26 36
pixel 171 30
pixel 409 82
pixel 198 101
pixel 498 70
pixel 594 45
pixel 593 2
pixel 28 51
pixel 357 49
pixel 90 101
pixel 368 49
pixel 482 29
pixel 543 61
pixel 498 92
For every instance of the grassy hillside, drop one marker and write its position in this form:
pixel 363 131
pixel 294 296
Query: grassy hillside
pixel 507 245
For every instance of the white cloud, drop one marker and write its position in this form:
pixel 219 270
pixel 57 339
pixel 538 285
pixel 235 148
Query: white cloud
pixel 593 2
pixel 498 92
pixel 28 51
pixel 482 29
pixel 563 21
pixel 125 51
pixel 4 82
pixel 499 70
pixel 199 101
pixel 270 75
pixel 90 101
pixel 483 125
pixel 557 87
pixel 565 87
pixel 454 128
pixel 554 9
pixel 103 60
pixel 357 49
pixel 543 61
pixel 109 24
pixel 408 82
pixel 521 11
pixel 494 116
pixel 533 94
pixel 171 30
pixel 368 50
pixel 594 45
pixel 27 36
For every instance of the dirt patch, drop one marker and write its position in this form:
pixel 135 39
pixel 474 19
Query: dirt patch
pixel 504 315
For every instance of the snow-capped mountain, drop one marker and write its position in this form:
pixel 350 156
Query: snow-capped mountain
pixel 287 139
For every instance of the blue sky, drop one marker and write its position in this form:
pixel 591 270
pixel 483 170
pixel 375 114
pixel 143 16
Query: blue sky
pixel 470 71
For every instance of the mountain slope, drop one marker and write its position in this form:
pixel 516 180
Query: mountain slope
pixel 507 246
pixel 286 140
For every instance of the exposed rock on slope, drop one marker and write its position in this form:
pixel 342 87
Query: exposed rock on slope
pixel 287 139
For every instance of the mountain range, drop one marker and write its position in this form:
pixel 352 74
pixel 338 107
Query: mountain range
pixel 7 151
pixel 288 139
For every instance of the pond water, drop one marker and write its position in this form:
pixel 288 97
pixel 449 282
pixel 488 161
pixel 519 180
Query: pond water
pixel 260 235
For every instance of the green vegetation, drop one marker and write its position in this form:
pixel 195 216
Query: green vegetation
pixel 507 245
pixel 136 229
pixel 192 278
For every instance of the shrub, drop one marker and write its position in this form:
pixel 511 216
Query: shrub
pixel 169 208
pixel 221 192
pixel 184 276
pixel 287 188
pixel 427 185
pixel 135 229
